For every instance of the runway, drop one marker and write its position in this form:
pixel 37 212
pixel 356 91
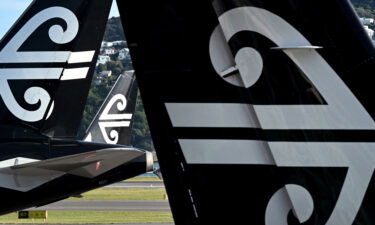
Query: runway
pixel 115 205
pixel 108 205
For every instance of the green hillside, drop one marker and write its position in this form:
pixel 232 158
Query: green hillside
pixel 114 30
pixel 367 4
pixel 365 8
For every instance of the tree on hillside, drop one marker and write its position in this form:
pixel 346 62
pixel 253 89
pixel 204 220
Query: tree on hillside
pixel 95 99
pixel 141 136
pixel 366 4
pixel 114 30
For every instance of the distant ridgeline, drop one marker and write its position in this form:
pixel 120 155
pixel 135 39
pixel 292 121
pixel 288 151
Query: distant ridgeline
pixel 141 134
pixel 368 4
pixel 365 8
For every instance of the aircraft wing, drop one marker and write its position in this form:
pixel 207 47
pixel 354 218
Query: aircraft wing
pixel 28 176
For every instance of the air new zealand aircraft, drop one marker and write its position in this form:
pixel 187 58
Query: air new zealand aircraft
pixel 116 113
pixel 260 110
pixel 47 61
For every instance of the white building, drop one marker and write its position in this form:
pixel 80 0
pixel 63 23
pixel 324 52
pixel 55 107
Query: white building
pixel 366 21
pixel 123 54
pixel 107 44
pixel 103 59
pixel 369 31
pixel 109 51
pixel 117 43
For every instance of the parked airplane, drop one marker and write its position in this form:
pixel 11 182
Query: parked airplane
pixel 261 111
pixel 46 64
pixel 116 113
pixel 114 121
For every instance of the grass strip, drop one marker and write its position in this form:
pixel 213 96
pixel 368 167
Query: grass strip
pixel 124 194
pixel 98 217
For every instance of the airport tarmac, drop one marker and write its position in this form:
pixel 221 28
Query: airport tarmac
pixel 115 205
pixel 108 205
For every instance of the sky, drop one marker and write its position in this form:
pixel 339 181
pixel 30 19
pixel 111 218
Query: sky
pixel 10 10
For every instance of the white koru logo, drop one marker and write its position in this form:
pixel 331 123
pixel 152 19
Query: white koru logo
pixel 120 119
pixel 11 54
pixel 343 111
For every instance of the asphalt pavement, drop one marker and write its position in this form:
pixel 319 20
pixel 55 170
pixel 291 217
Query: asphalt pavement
pixel 115 205
pixel 108 205
pixel 148 184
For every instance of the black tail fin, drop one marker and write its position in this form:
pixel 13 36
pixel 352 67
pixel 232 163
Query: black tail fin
pixel 258 108
pixel 113 122
pixel 47 61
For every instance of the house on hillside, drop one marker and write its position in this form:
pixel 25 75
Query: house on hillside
pixel 123 54
pixel 100 77
pixel 103 59
pixel 109 51
pixel 366 21
pixel 107 44
pixel 369 31
pixel 117 43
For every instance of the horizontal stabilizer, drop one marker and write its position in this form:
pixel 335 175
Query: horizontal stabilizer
pixel 28 176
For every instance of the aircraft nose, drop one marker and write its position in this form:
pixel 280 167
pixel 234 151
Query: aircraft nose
pixel 149 162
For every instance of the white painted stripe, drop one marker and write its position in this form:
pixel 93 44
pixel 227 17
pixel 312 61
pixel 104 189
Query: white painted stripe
pixel 327 154
pixel 75 74
pixel 31 74
pixel 284 154
pixel 81 57
pixel 226 152
pixel 115 124
pixel 116 116
pixel 211 115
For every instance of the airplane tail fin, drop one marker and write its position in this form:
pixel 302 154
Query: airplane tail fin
pixel 47 61
pixel 113 122
pixel 258 103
